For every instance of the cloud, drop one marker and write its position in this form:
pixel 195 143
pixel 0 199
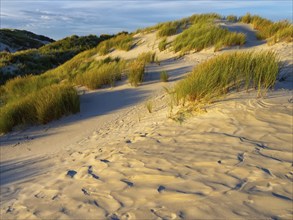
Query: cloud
pixel 60 18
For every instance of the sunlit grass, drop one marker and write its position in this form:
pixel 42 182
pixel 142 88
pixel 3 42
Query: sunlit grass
pixel 47 104
pixel 120 42
pixel 206 35
pixel 228 72
pixel 272 31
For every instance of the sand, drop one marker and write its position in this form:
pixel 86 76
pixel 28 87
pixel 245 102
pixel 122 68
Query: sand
pixel 115 160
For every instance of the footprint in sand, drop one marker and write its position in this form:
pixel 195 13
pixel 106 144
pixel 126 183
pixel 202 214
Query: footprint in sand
pixel 130 184
pixel 71 173
pixel 91 172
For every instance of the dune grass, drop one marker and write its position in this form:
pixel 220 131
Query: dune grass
pixel 102 73
pixel 163 44
pixel 227 72
pixel 232 18
pixel 39 107
pixel 121 42
pixel 164 76
pixel 272 31
pixel 135 72
pixel 136 68
pixel 204 35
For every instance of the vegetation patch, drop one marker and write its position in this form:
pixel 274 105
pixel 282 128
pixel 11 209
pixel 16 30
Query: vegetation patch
pixel 101 73
pixel 37 61
pixel 227 72
pixel 22 40
pixel 122 41
pixel 163 44
pixel 204 35
pixel 51 102
pixel 164 76
pixel 273 31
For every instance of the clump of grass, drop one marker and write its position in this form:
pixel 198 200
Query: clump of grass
pixel 51 102
pixel 136 72
pixel 232 18
pixel 205 35
pixel 226 72
pixel 163 44
pixel 55 101
pixel 168 29
pixel 164 76
pixel 98 74
pixel 121 42
pixel 273 31
pixel 149 106
pixel 136 68
pixel 147 57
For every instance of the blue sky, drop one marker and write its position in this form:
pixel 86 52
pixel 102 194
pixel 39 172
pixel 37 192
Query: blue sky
pixel 61 18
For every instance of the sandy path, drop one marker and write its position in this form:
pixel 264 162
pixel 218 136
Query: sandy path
pixel 115 160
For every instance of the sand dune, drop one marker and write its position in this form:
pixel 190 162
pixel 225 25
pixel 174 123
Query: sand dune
pixel 115 160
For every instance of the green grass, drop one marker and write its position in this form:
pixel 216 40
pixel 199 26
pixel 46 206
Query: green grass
pixel 136 68
pixel 204 35
pixel 105 73
pixel 173 27
pixel 49 103
pixel 147 57
pixel 164 76
pixel 37 61
pixel 228 72
pixel 121 42
pixel 163 44
pixel 274 32
pixel 232 18
pixel 168 29
pixel 136 72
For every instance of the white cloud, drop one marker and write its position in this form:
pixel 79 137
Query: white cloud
pixel 60 18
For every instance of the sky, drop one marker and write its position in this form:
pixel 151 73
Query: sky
pixel 60 18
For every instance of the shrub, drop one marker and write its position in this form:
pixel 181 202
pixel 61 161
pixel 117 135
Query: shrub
pixel 221 74
pixel 164 76
pixel 37 61
pixel 163 44
pixel 136 72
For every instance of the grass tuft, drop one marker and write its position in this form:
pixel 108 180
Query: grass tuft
pixel 206 35
pixel 121 42
pixel 163 44
pixel 227 72
pixel 51 102
pixel 136 72
pixel 164 76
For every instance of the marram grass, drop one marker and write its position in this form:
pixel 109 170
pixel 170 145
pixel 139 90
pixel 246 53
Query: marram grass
pixel 51 102
pixel 232 71
pixel 204 35
pixel 274 32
